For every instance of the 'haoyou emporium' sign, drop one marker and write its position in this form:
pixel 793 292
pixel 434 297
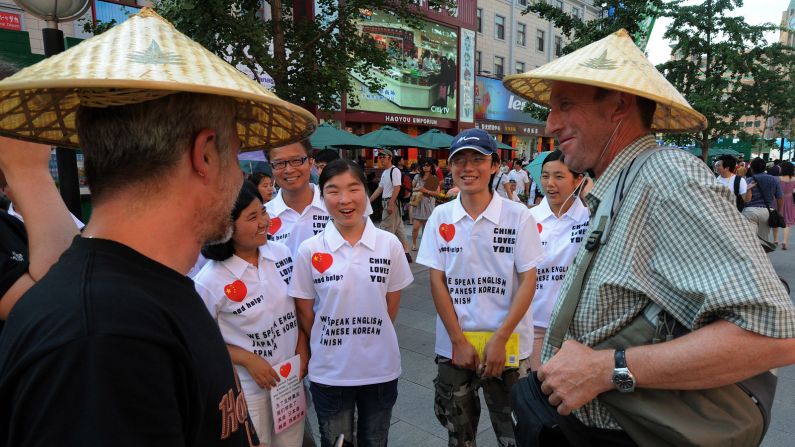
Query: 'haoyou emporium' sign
pixel 421 79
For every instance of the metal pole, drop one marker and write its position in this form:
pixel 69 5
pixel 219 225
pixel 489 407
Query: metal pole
pixel 66 158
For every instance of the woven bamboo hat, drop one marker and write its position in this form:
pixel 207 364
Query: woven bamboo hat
pixel 142 59
pixel 613 63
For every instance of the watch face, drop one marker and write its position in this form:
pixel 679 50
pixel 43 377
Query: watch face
pixel 624 382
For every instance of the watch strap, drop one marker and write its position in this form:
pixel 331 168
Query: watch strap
pixel 621 358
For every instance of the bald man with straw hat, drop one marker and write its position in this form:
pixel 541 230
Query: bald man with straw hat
pixel 113 346
pixel 665 241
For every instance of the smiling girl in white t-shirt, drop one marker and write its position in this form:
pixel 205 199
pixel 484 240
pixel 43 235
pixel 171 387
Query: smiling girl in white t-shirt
pixel 562 223
pixel 244 286
pixel 347 282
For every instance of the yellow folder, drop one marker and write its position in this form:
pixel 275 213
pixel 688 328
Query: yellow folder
pixel 479 339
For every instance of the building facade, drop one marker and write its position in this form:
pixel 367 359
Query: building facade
pixel 511 42
pixel 787 35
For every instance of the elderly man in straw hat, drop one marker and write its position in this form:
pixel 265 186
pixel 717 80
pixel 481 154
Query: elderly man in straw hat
pixel 113 346
pixel 668 220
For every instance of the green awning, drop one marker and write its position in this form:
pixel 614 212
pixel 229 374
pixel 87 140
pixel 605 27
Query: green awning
pixel 329 137
pixel 435 139
pixel 388 136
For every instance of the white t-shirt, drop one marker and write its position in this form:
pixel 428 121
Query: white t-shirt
pixel 389 179
pixel 561 239
pixel 291 228
pixel 729 183
pixel 481 260
pixel 78 223
pixel 498 185
pixel 353 341
pixel 252 307
pixel 521 179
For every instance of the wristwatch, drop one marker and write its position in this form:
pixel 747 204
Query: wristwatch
pixel 622 377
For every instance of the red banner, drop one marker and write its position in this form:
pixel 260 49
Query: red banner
pixel 10 21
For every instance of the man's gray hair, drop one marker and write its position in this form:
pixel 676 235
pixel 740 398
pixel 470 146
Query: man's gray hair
pixel 139 144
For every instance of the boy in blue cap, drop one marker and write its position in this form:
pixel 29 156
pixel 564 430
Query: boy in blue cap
pixel 482 251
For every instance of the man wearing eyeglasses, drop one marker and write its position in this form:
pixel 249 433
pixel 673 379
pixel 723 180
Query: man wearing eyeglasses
pixel 389 189
pixel 297 211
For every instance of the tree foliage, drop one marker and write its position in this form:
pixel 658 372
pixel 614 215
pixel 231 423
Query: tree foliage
pixel 309 58
pixel 723 66
pixel 775 78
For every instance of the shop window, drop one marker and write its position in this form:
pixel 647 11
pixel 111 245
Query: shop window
pixel 107 11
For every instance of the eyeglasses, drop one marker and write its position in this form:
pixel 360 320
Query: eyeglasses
pixel 476 160
pixel 279 165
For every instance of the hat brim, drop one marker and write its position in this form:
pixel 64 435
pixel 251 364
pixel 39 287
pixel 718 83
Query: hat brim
pixel 141 59
pixel 474 148
pixel 669 117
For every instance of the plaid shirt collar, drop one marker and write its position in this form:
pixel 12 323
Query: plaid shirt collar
pixel 622 160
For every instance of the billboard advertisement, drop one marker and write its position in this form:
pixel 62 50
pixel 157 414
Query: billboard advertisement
pixel 421 79
pixel 467 76
pixel 495 102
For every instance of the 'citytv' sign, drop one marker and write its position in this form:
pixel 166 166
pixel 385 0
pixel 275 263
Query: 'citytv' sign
pixel 495 102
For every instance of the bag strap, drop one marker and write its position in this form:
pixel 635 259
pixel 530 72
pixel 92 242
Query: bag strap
pixel 605 212
pixel 737 185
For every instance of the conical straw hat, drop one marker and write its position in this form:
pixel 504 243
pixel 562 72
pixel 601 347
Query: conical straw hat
pixel 613 63
pixel 142 59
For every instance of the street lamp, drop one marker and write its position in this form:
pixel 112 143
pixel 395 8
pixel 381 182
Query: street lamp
pixel 54 12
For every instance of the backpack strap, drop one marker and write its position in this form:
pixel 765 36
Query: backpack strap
pixel 600 227
pixel 737 185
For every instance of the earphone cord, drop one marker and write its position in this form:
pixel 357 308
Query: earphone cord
pixel 560 210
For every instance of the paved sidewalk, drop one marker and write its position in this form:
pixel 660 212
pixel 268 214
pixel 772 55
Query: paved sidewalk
pixel 413 421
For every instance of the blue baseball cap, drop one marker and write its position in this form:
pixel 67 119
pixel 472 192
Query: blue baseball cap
pixel 475 139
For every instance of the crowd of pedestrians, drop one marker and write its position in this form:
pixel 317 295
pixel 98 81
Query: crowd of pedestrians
pixel 760 191
pixel 124 334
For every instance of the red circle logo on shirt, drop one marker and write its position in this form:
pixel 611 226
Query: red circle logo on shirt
pixel 273 228
pixel 447 231
pixel 322 261
pixel 539 228
pixel 236 291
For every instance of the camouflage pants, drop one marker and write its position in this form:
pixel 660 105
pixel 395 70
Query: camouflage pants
pixel 457 404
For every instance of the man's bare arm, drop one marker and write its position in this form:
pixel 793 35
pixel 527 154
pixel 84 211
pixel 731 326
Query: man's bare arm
pixel 48 223
pixel 718 354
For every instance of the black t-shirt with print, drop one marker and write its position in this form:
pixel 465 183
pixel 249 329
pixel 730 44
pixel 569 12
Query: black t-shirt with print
pixel 13 252
pixel 113 348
